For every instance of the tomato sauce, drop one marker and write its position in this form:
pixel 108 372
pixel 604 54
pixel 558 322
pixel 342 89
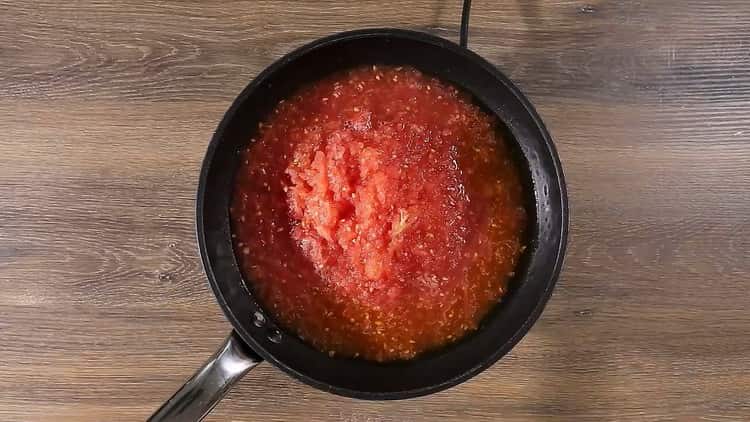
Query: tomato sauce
pixel 378 213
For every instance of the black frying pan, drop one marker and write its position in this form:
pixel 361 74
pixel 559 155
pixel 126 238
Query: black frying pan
pixel 256 336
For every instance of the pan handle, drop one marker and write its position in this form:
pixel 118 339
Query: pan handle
pixel 463 35
pixel 207 387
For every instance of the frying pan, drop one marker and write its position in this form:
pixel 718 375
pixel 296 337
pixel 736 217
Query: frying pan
pixel 256 337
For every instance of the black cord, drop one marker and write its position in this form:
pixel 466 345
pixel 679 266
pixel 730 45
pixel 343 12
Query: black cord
pixel 463 39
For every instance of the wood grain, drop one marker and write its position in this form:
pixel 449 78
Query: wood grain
pixel 105 112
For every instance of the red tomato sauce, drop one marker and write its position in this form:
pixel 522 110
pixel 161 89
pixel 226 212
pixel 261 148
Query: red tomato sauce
pixel 378 213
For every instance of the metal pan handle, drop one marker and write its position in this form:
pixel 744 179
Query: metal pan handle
pixel 207 387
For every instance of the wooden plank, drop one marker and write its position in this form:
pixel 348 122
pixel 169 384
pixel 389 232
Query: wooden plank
pixel 106 109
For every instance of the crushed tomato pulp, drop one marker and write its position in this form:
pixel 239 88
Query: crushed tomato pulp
pixel 378 213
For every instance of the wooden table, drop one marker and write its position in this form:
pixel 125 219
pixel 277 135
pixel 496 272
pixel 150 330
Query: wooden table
pixel 106 108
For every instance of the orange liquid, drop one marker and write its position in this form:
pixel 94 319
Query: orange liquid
pixel 378 214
